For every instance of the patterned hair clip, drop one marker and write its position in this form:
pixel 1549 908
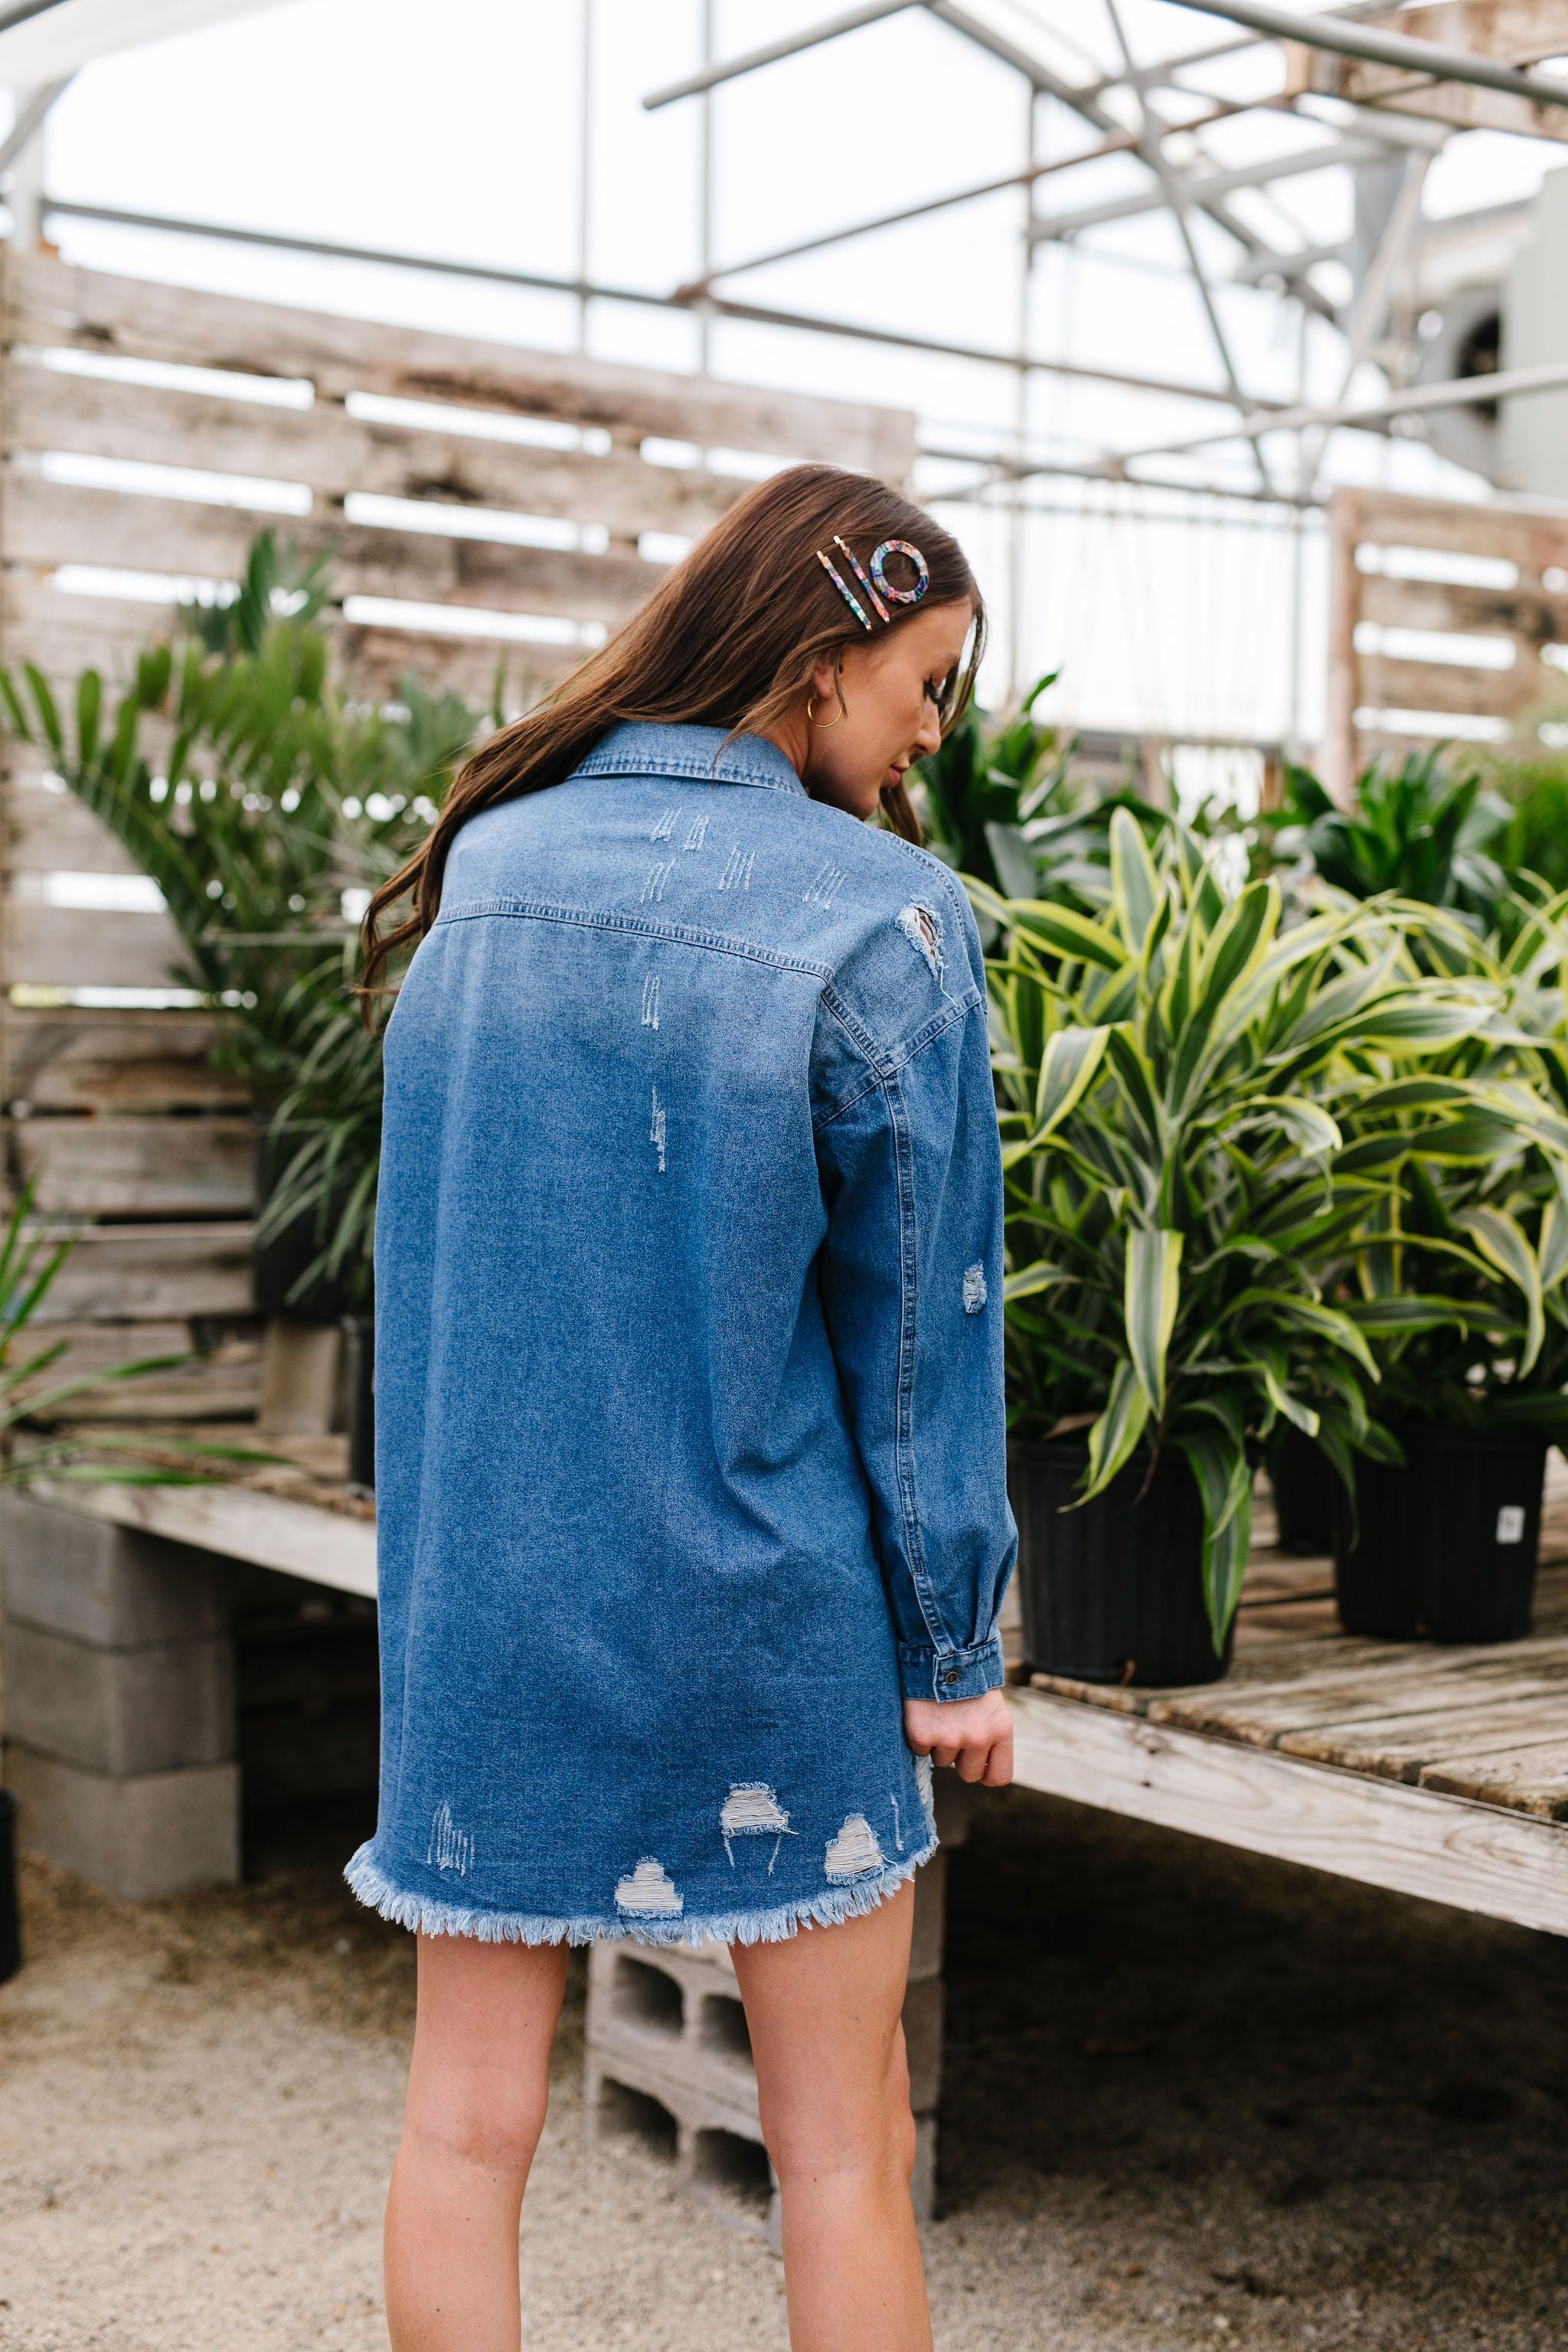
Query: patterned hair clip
pixel 877 585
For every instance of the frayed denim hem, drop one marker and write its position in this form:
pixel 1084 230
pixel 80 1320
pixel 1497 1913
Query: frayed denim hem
pixel 828 1909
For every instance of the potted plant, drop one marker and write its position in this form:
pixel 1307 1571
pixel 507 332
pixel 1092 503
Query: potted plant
pixel 1467 1240
pixel 279 804
pixel 1168 1080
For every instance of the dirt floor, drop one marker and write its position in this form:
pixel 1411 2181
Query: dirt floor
pixel 1192 2100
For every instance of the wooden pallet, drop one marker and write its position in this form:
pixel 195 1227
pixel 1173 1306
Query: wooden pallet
pixel 1436 1771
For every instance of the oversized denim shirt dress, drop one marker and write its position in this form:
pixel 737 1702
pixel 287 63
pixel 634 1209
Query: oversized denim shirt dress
pixel 691 1450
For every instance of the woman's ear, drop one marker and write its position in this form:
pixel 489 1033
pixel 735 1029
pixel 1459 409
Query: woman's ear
pixel 826 683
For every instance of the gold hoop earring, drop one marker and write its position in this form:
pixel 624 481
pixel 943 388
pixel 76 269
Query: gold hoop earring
pixel 822 724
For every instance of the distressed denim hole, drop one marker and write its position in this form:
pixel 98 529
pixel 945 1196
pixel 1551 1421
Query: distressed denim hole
pixel 922 925
pixel 975 1291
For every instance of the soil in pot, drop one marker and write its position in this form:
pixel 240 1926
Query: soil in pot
pixel 1303 1481
pixel 1111 1591
pixel 1449 1542
pixel 10 1895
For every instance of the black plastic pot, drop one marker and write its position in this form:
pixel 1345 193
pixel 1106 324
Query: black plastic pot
pixel 1303 1481
pixel 279 1264
pixel 1448 1543
pixel 359 1382
pixel 10 1895
pixel 1112 1590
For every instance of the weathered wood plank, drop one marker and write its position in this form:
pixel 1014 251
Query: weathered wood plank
pixel 78 947
pixel 52 833
pixel 1524 612
pixel 117 1168
pixel 1415 1681
pixel 1380 1832
pixel 270 1530
pixel 1386 683
pixel 49 523
pixel 222 1384
pixel 1393 1747
pixel 113 1061
pixel 329 451
pixel 52 303
pixel 1531 534
pixel 143 1272
pixel 1527 1780
pixel 67 634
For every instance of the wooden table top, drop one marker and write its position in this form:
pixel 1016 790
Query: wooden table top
pixel 1490 1723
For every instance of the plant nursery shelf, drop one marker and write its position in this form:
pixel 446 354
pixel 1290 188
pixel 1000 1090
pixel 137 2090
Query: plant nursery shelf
pixel 1437 1772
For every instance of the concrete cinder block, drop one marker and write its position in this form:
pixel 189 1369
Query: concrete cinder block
pixel 669 2069
pixel 153 1708
pixel 147 1834
pixel 67 1573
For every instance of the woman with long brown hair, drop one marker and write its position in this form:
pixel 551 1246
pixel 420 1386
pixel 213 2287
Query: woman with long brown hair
pixel 693 1523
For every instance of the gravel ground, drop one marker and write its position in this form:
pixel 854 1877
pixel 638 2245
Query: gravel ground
pixel 1192 2099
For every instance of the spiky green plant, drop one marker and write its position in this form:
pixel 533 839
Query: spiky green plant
pixel 1467 1234
pixel 1170 1079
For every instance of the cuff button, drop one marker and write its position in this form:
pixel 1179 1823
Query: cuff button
pixel 950 1677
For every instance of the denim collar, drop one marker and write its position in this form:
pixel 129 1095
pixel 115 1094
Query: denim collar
pixel 636 749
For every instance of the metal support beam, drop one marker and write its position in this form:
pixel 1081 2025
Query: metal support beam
pixel 1509 384
pixel 1380 47
pixel 1371 302
pixel 1123 142
pixel 751 60
pixel 1213 185
pixel 1173 182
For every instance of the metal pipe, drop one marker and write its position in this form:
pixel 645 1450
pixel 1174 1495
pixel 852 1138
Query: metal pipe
pixel 1378 47
pixel 31 113
pixel 1120 145
pixel 20 11
pixel 1507 384
pixel 1175 187
pixel 1206 191
pixel 751 60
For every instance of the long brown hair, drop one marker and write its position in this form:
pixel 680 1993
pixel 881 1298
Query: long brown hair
pixel 729 638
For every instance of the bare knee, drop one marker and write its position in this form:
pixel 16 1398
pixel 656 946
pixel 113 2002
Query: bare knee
pixel 831 2130
pixel 493 2128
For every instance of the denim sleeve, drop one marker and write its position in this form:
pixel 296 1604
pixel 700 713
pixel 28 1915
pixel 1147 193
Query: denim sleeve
pixel 911 1286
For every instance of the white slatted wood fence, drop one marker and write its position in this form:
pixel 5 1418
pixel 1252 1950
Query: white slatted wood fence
pixel 1445 620
pixel 481 504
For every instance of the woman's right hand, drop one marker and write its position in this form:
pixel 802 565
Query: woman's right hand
pixel 973 1734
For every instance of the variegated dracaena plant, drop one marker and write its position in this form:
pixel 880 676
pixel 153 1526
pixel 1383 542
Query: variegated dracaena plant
pixel 1169 1079
pixel 1461 1260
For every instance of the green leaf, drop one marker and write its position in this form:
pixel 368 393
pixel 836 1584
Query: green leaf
pixel 1219 1464
pixel 1071 1059
pixel 1117 1431
pixel 1064 932
pixel 1134 885
pixel 1505 1244
pixel 1152 1295
pixel 1030 1280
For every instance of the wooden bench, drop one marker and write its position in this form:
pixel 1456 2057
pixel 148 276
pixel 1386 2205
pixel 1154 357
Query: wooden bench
pixel 1438 1773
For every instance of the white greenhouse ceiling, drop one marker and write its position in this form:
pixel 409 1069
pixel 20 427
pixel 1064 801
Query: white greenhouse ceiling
pixel 44 40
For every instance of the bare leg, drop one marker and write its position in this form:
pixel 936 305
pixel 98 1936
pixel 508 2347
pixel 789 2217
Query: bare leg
pixel 477 2093
pixel 834 2086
